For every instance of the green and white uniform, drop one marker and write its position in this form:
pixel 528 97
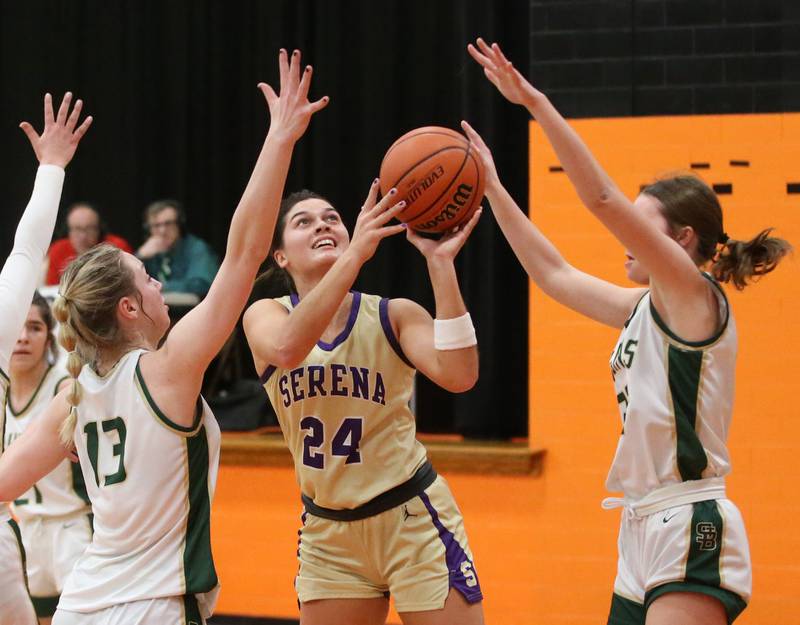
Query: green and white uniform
pixel 54 515
pixel 377 517
pixel 151 483
pixel 679 531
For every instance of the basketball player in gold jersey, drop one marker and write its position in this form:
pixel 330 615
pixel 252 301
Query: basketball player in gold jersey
pixel 338 366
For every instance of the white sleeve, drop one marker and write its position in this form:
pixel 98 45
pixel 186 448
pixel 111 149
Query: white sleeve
pixel 22 269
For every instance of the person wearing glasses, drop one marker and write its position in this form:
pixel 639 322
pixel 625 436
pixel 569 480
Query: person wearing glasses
pixel 85 229
pixel 182 262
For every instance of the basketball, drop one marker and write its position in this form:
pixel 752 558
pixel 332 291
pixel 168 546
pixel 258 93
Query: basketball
pixel 438 175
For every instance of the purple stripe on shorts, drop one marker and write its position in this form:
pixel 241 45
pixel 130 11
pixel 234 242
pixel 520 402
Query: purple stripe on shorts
pixel 463 576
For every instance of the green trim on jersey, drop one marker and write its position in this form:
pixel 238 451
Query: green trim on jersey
pixel 78 483
pixel 58 383
pixel 198 417
pixel 625 612
pixel 32 397
pixel 23 557
pixel 198 563
pixel 4 375
pixel 45 606
pixel 191 612
pixel 684 370
pixel 716 336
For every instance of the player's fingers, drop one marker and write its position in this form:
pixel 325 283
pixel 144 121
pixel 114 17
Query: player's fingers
pixel 486 50
pixel 29 131
pixel 389 214
pixel 75 115
pixel 388 231
pixel 48 109
pixel 305 83
pixel 62 110
pixel 319 104
pixel 81 130
pixel 283 68
pixel 499 53
pixel 372 196
pixel 269 94
pixel 480 58
pixel 294 71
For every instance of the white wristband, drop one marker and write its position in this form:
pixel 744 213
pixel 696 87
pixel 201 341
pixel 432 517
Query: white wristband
pixel 458 333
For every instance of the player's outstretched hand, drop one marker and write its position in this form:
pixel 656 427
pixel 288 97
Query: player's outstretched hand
pixel 448 246
pixel 371 225
pixel 484 154
pixel 502 74
pixel 291 111
pixel 60 137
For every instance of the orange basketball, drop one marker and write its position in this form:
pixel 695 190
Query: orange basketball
pixel 437 174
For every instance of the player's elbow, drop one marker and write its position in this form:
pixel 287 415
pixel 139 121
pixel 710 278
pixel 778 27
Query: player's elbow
pixel 462 382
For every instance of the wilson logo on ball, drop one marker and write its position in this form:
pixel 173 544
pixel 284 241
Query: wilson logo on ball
pixel 438 175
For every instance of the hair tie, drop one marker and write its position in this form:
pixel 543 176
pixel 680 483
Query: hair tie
pixel 723 238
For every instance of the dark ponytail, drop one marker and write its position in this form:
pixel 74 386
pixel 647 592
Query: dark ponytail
pixel 740 262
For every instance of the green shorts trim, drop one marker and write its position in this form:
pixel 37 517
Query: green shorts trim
pixel 625 612
pixel 45 606
pixel 733 603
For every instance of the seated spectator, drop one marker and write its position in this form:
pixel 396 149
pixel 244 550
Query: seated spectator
pixel 85 229
pixel 180 261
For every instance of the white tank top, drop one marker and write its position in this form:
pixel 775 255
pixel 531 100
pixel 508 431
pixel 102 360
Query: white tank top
pixel 151 483
pixel 62 492
pixel 676 400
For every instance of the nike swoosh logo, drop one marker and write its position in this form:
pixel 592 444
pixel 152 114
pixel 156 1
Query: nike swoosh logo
pixel 667 518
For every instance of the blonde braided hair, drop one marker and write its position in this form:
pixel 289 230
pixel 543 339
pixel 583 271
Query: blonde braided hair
pixel 90 288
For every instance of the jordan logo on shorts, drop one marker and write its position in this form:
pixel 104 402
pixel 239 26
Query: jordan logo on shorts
pixel 706 536
pixel 407 514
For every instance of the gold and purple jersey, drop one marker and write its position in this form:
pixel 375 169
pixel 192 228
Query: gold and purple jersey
pixel 344 411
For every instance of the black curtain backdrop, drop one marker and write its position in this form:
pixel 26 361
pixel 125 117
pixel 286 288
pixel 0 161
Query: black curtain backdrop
pixel 172 87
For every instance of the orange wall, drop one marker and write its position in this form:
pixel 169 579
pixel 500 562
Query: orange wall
pixel 572 407
pixel 544 550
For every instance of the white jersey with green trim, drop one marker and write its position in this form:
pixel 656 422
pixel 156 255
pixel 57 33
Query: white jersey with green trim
pixel 344 410
pixel 62 492
pixel 151 483
pixel 676 401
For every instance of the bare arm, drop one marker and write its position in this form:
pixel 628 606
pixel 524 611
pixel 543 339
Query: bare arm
pixel 197 338
pixel 455 370
pixel 670 267
pixel 586 294
pixel 34 454
pixel 282 339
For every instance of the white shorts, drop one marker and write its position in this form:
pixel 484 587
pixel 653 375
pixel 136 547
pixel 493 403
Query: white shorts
pixel 15 604
pixel 163 611
pixel 52 547
pixel 416 551
pixel 698 547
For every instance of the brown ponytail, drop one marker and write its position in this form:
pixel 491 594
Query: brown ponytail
pixel 740 262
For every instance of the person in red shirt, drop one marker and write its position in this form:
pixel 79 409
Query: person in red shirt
pixel 84 231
